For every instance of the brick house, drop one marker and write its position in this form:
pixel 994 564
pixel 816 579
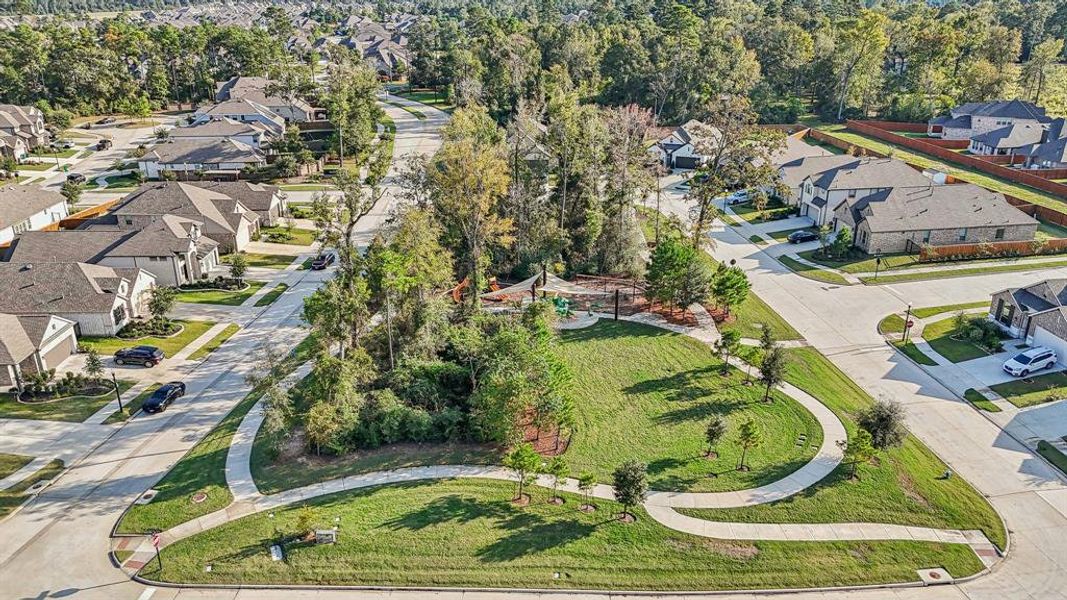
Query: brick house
pixel 1036 313
pixel 974 118
pixel 821 193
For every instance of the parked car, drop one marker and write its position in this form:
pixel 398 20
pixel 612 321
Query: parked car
pixel 1034 359
pixel 163 397
pixel 804 235
pixel 106 121
pixel 76 178
pixel 738 197
pixel 149 356
pixel 103 145
pixel 322 261
pixel 64 144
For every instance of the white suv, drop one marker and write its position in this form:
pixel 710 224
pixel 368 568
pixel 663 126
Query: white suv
pixel 1032 360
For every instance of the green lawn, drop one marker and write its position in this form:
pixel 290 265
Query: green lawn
pixel 902 486
pixel 893 323
pixel 11 463
pixel 939 336
pixel 306 187
pixel 755 239
pixel 214 343
pixel 1046 230
pixel 912 351
pixel 224 297
pixel 71 410
pixel 202 469
pixel 45 153
pixel 645 393
pixel 301 237
pixel 169 345
pixel 428 98
pixel 814 273
pixel 121 182
pixel 772 213
pixel 38 166
pixel 1053 455
pixel 131 405
pixel 929 311
pixel 271 296
pixel 976 398
pixel 782 235
pixel 14 496
pixel 417 113
pixel 1030 391
pixel 468 533
pixel 268 261
pixel 1022 265
pixel 864 263
pixel 921 160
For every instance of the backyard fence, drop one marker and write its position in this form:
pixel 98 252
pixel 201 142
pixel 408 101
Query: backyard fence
pixel 953 252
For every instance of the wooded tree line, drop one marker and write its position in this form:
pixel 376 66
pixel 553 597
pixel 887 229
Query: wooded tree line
pixel 904 60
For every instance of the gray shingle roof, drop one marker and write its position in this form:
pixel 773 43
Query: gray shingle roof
pixel 198 152
pixel 936 207
pixel 1007 109
pixel 20 202
pixel 15 343
pixel 219 127
pixel 870 173
pixel 1012 136
pixel 184 200
pixel 64 246
pixel 50 288
pixel 794 172
pixel 254 196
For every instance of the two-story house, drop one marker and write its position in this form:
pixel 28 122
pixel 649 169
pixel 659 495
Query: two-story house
pixel 242 110
pixel 219 129
pixel 678 150
pixel 974 118
pixel 257 90
pixel 822 192
pixel 25 123
pixel 27 208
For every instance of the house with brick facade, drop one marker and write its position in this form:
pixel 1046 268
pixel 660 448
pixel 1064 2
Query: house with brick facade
pixel 822 192
pixel 33 344
pixel 1036 313
pixel 905 219
pixel 975 118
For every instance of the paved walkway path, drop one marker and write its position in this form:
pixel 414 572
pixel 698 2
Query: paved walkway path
pixel 28 469
pixel 659 504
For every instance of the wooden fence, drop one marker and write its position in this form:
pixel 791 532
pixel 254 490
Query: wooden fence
pixel 1037 211
pixel 877 129
pixel 991 250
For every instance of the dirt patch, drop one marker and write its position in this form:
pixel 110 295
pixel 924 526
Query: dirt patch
pixel 734 550
pixel 556 500
pixel 627 518
pixel 907 485
pixel 587 508
pixel 523 500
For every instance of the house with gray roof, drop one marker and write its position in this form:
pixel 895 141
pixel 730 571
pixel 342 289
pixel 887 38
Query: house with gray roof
pixel 218 129
pixel 1036 313
pixel 27 208
pixel 192 158
pixel 974 118
pixel 244 110
pixel 99 300
pixel 1051 152
pixel 33 344
pixel 221 217
pixel 1007 140
pixel 255 90
pixel 903 219
pixel 172 249
pixel 792 173
pixel 823 191
pixel 678 150
pixel 263 199
pixel 25 123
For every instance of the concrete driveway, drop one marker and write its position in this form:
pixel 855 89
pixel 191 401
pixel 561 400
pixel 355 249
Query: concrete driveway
pixel 989 369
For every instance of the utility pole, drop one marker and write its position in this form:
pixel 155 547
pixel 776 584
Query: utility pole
pixel 118 395
pixel 907 324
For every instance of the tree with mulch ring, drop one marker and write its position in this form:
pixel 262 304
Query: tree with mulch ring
pixel 631 486
pixel 558 469
pixel 525 461
pixel 586 483
pixel 714 433
pixel 748 436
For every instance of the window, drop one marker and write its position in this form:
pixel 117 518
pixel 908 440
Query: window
pixel 851 194
pixel 999 235
pixel 22 227
pixel 127 221
pixel 961 235
pixel 119 314
pixel 926 236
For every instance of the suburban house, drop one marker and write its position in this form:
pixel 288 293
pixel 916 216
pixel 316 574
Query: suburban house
pixel 677 151
pixel 13 146
pixel 974 118
pixel 99 300
pixel 25 123
pixel 223 158
pixel 33 344
pixel 1007 140
pixel 260 198
pixel 822 192
pixel 254 89
pixel 1036 313
pixel 1051 152
pixel 222 128
pixel 28 207
pixel 172 249
pixel 223 218
pixel 242 110
pixel 903 219
pixel 793 173
pixel 388 58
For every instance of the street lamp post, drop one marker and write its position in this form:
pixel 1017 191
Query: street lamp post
pixel 118 394
pixel 907 323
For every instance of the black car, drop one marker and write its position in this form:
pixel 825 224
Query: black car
pixel 76 178
pixel 322 261
pixel 799 237
pixel 103 145
pixel 148 356
pixel 106 121
pixel 163 397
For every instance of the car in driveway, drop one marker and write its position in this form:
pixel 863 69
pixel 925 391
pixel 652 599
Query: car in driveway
pixel 738 197
pixel 1034 359
pixel 322 261
pixel 106 121
pixel 163 397
pixel 149 356
pixel 804 235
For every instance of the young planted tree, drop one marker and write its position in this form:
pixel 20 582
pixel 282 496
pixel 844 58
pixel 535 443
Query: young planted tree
pixel 559 470
pixel 630 481
pixel 884 420
pixel 842 243
pixel 72 191
pixel 748 437
pixel 859 449
pixel 94 366
pixel 728 345
pixel 160 303
pixel 322 423
pixel 525 461
pixel 729 287
pixel 766 339
pixel 772 370
pixel 586 483
pixel 238 266
pixel 713 434
pixel 666 269
pixel 277 417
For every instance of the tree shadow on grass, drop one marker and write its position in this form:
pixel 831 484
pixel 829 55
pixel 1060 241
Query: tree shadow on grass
pixel 692 384
pixel 606 330
pixel 451 509
pixel 535 537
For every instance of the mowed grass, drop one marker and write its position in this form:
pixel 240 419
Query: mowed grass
pixel 429 98
pixel 912 351
pixel 645 393
pixel 468 533
pixel 11 463
pixel 863 263
pixel 131 405
pixel 14 496
pixel 223 297
pixel 773 212
pixel 300 237
pixel 813 273
pixel 929 311
pixel 266 261
pixel 169 345
pixel 214 343
pixel 976 398
pixel 1022 265
pixel 903 485
pixel 939 335
pixel 270 297
pixel 1053 455
pixel 1031 391
pixel 74 409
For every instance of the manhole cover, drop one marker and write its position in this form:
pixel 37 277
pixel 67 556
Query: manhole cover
pixel 146 497
pixel 199 497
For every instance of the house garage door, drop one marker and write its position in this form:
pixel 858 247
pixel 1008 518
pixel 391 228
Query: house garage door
pixel 1044 337
pixel 56 355
pixel 686 162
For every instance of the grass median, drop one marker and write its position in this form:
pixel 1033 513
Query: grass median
pixel 169 345
pixel 214 343
pixel 221 297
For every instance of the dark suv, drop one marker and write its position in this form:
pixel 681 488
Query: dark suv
pixel 322 261
pixel 148 356
pixel 163 397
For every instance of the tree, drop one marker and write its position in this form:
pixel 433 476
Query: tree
pixel 94 366
pixel 842 243
pixel 748 437
pixel 160 302
pixel 559 470
pixel 714 433
pixel 728 344
pixel 666 268
pixel 857 56
pixel 630 481
pixel 884 420
pixel 277 416
pixel 72 191
pixel 766 339
pixel 772 370
pixel 238 266
pixel 859 449
pixel 586 483
pixel 525 461
pixel 322 423
pixel 729 287
pixel 825 232
pixel 305 521
pixel 1036 69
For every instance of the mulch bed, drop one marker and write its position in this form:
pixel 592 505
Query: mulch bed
pixel 90 392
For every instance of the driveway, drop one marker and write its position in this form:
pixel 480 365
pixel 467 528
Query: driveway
pixel 989 369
